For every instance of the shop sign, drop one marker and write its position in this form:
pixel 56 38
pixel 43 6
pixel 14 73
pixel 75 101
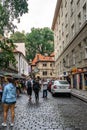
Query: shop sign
pixel 74 70
pixel 79 70
pixel 84 69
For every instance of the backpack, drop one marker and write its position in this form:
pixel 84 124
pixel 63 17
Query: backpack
pixel 36 86
pixel 29 84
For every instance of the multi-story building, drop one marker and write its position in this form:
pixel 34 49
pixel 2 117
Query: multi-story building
pixel 70 39
pixel 22 63
pixel 44 66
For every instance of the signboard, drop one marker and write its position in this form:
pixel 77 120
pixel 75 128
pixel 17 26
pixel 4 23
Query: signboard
pixel 36 70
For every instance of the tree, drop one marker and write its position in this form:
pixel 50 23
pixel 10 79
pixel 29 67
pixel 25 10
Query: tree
pixel 39 41
pixel 9 10
pixel 18 37
pixel 6 53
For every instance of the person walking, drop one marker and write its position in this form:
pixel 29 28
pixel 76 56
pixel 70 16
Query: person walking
pixel 36 88
pixel 9 100
pixel 0 92
pixel 29 88
pixel 44 88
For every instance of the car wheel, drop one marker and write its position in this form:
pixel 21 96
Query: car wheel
pixel 69 95
pixel 53 94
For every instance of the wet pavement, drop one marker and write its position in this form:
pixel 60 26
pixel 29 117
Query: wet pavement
pixel 54 113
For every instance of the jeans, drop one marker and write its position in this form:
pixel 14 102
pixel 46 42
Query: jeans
pixel 44 93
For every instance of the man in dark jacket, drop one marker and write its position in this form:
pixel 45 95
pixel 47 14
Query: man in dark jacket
pixel 29 88
pixel 36 88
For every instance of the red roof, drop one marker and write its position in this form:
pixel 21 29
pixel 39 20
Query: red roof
pixel 52 54
pixel 40 57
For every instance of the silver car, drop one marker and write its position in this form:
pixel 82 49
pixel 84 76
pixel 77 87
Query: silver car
pixel 60 86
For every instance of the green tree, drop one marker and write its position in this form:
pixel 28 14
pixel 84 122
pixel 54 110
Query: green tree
pixel 9 10
pixel 18 37
pixel 6 53
pixel 40 40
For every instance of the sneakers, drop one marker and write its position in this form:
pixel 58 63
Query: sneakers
pixel 4 124
pixel 12 124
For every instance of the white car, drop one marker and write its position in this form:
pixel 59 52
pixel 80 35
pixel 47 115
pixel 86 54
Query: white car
pixel 60 86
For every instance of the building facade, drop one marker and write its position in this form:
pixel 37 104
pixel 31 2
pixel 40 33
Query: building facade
pixel 70 39
pixel 22 64
pixel 44 66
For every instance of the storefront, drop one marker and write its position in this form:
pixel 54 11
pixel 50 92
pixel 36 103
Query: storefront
pixel 77 78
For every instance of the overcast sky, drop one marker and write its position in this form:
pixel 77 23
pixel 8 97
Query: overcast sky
pixel 40 15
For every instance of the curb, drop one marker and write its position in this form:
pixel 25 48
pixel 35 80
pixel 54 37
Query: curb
pixel 81 97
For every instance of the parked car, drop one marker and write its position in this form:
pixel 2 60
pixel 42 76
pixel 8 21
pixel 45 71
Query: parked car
pixel 61 86
pixel 50 83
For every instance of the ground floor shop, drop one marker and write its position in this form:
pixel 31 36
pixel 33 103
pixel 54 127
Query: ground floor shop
pixel 79 79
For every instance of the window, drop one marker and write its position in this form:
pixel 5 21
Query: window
pixel 71 2
pixel 73 29
pixel 65 3
pixel 50 65
pixel 79 19
pixel 62 29
pixel 59 19
pixel 72 12
pixel 73 57
pixel 85 42
pixel 84 12
pixel 67 59
pixel 67 37
pixel 59 34
pixel 44 64
pixel 66 18
pixel 44 72
pixel 72 9
pixel 85 52
pixel 78 1
pixel 63 44
pixel 61 9
pixel 80 52
pixel 50 73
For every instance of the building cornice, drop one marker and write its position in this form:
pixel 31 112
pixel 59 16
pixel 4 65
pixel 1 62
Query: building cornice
pixel 56 13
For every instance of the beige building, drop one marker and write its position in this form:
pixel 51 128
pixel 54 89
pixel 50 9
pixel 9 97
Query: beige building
pixel 44 66
pixel 21 47
pixel 70 39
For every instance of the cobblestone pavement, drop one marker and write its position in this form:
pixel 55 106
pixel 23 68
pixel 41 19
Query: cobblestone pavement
pixel 54 113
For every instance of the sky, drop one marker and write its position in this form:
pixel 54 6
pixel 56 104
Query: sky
pixel 41 13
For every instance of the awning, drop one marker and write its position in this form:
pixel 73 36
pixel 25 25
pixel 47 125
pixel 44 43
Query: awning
pixel 14 75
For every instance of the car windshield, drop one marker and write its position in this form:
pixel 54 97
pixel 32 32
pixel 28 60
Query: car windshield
pixel 63 82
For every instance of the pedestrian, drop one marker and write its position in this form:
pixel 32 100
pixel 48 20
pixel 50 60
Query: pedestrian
pixel 9 100
pixel 45 88
pixel 0 92
pixel 36 88
pixel 17 88
pixel 29 88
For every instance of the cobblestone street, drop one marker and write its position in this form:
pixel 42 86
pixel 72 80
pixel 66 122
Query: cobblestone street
pixel 54 113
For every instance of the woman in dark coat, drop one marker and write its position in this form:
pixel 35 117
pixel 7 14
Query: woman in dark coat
pixel 36 88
